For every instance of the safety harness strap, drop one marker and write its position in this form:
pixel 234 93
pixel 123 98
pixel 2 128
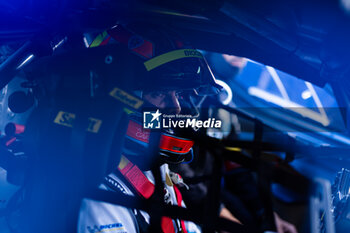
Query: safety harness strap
pixel 145 188
pixel 179 201
pixel 136 178
pixel 167 225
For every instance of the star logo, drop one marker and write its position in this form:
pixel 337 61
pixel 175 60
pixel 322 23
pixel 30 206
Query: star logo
pixel 151 120
pixel 156 115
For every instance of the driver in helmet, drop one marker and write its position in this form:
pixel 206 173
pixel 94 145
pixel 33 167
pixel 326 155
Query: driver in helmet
pixel 172 72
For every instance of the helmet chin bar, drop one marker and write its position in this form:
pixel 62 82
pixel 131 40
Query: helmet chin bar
pixel 172 148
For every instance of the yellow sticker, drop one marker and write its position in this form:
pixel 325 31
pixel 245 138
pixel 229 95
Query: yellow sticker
pixel 123 162
pixel 171 56
pixel 233 149
pixel 126 98
pixel 94 125
pixel 65 118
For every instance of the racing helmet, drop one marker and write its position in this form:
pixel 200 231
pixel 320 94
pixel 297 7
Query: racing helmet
pixel 168 63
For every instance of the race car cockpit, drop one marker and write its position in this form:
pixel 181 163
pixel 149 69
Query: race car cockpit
pixel 174 116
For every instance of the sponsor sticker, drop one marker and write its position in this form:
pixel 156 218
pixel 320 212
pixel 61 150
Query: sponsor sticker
pixel 126 98
pixel 115 227
pixel 67 119
pixel 94 125
pixel 171 56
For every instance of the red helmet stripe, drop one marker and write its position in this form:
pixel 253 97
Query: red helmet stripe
pixel 134 42
pixel 105 41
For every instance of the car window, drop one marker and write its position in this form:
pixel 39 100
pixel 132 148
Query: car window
pixel 278 89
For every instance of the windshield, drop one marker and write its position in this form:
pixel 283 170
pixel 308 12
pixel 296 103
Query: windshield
pixel 278 90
